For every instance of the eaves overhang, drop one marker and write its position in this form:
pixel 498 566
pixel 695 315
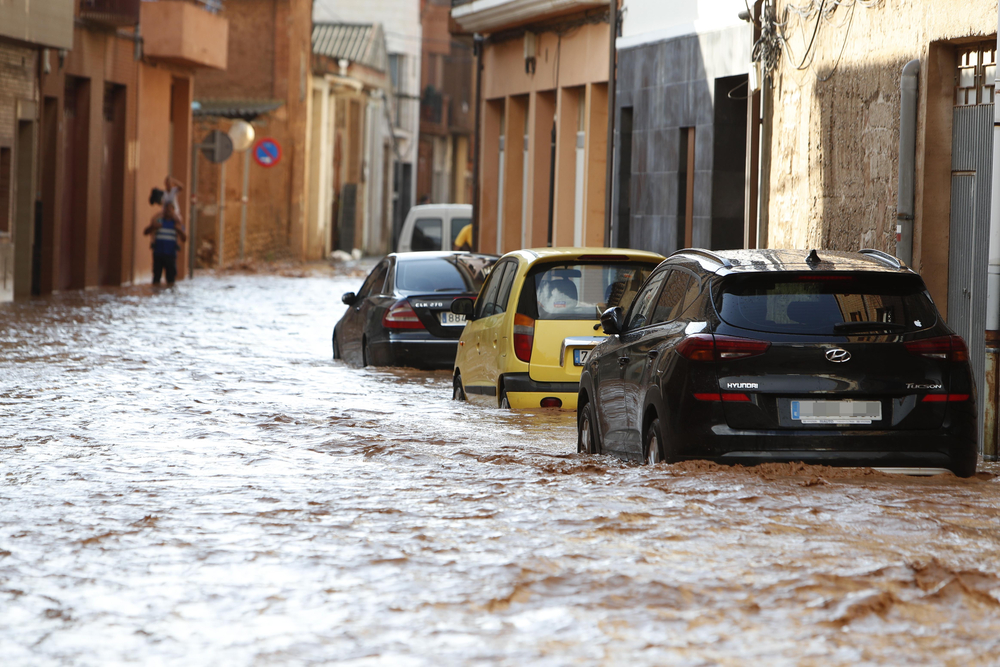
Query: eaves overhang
pixel 487 16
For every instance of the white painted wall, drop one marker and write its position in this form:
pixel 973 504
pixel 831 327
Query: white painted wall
pixel 403 34
pixel 654 20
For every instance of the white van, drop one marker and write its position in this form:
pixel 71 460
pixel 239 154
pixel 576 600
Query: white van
pixel 433 226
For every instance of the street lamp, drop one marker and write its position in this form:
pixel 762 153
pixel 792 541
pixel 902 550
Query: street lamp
pixel 242 135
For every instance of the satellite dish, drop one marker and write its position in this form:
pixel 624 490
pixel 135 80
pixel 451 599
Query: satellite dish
pixel 242 135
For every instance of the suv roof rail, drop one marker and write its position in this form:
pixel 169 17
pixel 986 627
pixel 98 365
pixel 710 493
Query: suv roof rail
pixel 704 253
pixel 884 257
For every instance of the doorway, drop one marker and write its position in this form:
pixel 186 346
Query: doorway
pixel 969 223
pixel 112 186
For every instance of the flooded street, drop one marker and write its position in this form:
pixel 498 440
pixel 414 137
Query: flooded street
pixel 186 477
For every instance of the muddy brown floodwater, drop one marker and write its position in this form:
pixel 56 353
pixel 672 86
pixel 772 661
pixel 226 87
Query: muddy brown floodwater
pixel 186 477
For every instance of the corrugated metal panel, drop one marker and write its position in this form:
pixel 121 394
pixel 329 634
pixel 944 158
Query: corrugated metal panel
pixel 968 256
pixel 357 42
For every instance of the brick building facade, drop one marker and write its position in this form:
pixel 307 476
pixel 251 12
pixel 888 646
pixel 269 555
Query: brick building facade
pixel 26 35
pixel 98 120
pixel 447 113
pixel 267 83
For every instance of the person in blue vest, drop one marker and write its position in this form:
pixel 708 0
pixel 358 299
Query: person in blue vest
pixel 168 233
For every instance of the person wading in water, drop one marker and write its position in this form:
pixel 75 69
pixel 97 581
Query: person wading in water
pixel 168 234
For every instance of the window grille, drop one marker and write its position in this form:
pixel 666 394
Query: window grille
pixel 976 77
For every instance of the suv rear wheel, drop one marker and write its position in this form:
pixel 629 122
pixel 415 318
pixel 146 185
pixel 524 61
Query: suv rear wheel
pixel 586 430
pixel 652 444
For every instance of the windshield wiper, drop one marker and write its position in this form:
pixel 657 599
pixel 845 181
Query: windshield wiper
pixel 841 327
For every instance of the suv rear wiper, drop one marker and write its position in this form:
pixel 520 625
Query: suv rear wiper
pixel 841 327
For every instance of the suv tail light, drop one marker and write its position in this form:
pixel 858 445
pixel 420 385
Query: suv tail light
pixel 524 336
pixel 401 316
pixel 706 347
pixel 945 398
pixel 949 348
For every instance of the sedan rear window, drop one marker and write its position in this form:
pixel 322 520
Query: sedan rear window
pixel 811 303
pixel 580 291
pixel 460 273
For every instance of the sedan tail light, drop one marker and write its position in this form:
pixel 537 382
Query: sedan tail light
pixel 706 347
pixel 401 316
pixel 524 336
pixel 949 348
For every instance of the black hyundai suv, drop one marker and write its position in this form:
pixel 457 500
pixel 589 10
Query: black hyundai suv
pixel 749 356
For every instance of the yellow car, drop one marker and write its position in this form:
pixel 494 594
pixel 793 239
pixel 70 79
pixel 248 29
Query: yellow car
pixel 536 317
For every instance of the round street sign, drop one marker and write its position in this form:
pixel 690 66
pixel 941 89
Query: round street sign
pixel 267 152
pixel 217 146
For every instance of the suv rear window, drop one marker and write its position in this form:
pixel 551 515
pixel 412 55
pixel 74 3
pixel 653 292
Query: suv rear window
pixel 580 291
pixel 811 303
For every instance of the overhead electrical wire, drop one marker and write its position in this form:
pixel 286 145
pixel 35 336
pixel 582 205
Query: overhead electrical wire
pixel 776 33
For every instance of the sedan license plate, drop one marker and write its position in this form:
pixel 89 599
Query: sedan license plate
pixel 452 320
pixel 836 412
pixel 580 357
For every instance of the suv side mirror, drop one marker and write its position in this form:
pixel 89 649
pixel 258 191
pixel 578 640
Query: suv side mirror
pixel 611 321
pixel 349 298
pixel 463 306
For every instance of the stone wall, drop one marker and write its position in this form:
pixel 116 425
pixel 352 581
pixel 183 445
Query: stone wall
pixel 834 152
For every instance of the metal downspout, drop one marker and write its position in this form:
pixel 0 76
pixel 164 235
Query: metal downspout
pixel 991 432
pixel 908 86
pixel 610 163
pixel 477 48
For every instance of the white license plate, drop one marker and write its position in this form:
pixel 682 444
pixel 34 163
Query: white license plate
pixel 580 357
pixel 836 412
pixel 452 320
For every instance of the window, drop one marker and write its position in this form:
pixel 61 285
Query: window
pixel 580 291
pixel 488 297
pixel 815 304
pixel 671 302
pixel 463 273
pixel 395 70
pixel 503 296
pixel 426 234
pixel 643 306
pixel 977 68
pixel 457 224
pixel 375 281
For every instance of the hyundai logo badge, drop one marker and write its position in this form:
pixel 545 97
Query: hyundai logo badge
pixel 838 355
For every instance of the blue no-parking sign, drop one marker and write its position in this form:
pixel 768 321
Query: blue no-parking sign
pixel 267 152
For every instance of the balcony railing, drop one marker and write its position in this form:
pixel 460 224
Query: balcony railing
pixel 111 12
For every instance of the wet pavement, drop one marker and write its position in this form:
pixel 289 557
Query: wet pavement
pixel 186 477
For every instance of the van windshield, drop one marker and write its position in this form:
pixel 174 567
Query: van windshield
pixel 811 303
pixel 580 291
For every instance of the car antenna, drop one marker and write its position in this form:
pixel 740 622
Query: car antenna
pixel 812 258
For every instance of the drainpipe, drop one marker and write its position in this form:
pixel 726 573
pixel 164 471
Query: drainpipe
pixel 610 163
pixel 991 431
pixel 477 49
pixel 908 83
pixel 552 181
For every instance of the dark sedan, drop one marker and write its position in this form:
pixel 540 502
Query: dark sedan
pixel 781 355
pixel 402 315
